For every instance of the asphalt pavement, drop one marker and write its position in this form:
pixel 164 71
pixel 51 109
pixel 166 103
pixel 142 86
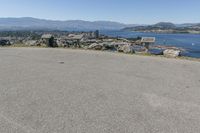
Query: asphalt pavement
pixel 44 90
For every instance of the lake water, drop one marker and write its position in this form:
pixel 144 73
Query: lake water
pixel 190 42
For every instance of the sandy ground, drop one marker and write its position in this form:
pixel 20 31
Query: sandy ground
pixel 77 91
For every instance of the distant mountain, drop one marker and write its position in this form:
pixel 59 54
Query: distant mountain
pixel 28 23
pixel 161 25
pixel 166 27
pixel 198 25
pixel 186 24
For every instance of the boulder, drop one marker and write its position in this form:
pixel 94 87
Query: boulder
pixel 126 49
pixel 31 43
pixel 96 46
pixel 171 53
pixel 108 46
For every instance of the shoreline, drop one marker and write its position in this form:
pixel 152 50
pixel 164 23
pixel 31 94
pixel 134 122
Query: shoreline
pixel 164 32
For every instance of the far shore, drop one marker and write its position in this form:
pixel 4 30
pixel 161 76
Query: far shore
pixel 194 33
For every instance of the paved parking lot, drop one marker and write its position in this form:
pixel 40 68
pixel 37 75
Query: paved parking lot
pixel 76 91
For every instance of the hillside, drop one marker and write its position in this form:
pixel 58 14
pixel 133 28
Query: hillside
pixel 166 27
pixel 28 23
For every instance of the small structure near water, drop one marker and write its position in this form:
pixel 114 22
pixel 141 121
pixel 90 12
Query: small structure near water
pixel 146 41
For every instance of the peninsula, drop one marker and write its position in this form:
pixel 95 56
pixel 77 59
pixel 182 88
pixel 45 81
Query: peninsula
pixel 166 27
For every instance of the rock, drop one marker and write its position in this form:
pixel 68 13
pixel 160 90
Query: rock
pixel 31 43
pixel 138 42
pixel 138 48
pixel 171 53
pixel 95 46
pixel 119 44
pixel 126 49
pixel 108 46
pixel 61 43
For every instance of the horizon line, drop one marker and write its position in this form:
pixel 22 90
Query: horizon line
pixel 62 20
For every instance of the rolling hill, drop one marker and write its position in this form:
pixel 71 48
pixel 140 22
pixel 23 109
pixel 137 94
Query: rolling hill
pixel 28 23
pixel 166 27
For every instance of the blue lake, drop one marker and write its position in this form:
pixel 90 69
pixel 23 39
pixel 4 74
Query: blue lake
pixel 190 42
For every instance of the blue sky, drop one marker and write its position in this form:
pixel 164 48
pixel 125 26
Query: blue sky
pixel 126 11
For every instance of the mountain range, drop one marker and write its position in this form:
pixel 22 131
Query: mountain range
pixel 166 27
pixel 28 23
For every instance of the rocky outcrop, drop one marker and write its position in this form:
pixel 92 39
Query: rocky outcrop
pixel 31 43
pixel 126 49
pixel 108 46
pixel 96 46
pixel 171 53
